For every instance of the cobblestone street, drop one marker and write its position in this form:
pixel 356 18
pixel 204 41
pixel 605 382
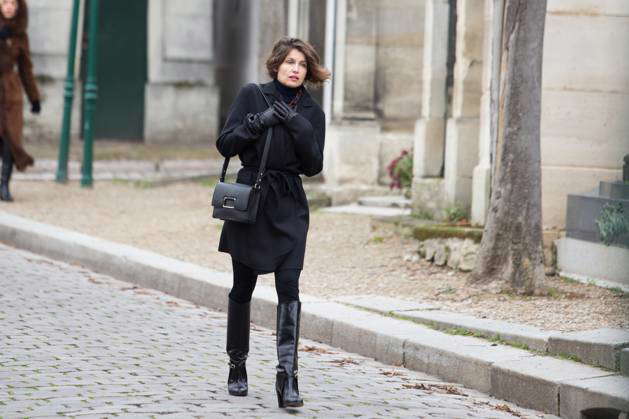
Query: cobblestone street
pixel 75 343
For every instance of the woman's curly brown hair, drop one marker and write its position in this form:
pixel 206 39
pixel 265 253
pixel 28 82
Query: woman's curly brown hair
pixel 316 74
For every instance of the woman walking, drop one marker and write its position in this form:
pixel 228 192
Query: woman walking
pixel 277 241
pixel 16 73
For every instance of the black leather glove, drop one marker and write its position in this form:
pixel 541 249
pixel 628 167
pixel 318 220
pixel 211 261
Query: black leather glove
pixel 268 118
pixel 5 33
pixel 36 107
pixel 258 122
pixel 284 112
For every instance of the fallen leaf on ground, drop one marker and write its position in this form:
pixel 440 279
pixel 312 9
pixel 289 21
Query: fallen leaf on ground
pixel 344 361
pixel 392 373
pixel 417 386
pixel 505 408
pixel 442 388
pixel 315 349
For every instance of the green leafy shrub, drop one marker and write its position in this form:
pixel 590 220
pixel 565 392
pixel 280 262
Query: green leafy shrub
pixel 612 223
pixel 455 214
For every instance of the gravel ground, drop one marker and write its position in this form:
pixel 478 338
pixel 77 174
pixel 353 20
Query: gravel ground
pixel 346 254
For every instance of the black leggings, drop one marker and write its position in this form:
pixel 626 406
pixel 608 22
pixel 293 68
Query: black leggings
pixel 286 284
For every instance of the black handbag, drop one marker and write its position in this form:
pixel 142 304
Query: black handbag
pixel 236 201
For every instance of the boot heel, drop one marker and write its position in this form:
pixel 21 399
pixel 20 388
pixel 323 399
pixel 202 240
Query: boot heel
pixel 280 382
pixel 280 399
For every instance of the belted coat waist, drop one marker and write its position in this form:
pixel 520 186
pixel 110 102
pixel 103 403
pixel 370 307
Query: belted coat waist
pixel 278 238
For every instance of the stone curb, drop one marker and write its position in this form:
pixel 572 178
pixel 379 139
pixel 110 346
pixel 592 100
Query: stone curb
pixel 599 348
pixel 513 374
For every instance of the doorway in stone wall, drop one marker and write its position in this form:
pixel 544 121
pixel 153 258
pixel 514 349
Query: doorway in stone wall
pixel 121 69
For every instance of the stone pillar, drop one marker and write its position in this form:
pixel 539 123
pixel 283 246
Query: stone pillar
pixel 376 91
pixel 481 178
pixel 360 60
pixel 351 151
pixel 463 128
pixel 429 139
pixel 180 73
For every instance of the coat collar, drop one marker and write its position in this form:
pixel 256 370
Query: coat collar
pixel 269 89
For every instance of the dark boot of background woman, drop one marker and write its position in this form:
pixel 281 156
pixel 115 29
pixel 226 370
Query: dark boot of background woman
pixel 5 175
pixel 288 316
pixel 238 346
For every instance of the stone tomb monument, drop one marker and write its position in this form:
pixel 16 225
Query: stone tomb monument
pixel 596 246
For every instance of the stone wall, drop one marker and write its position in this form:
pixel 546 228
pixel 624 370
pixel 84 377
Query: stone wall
pixel 585 131
pixel 462 131
pixel 377 88
pixel 180 70
pixel 181 97
pixel 49 24
pixel 585 92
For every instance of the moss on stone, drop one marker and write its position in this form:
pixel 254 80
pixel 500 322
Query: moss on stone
pixel 426 232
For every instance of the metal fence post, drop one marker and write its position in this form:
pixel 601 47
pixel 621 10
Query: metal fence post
pixel 68 99
pixel 91 95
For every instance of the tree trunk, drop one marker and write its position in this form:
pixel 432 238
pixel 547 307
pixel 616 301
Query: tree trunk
pixel 511 250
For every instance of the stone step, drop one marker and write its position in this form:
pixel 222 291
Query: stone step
pixel 385 201
pixel 600 347
pixel 607 348
pixel 614 190
pixel 365 210
pixel 624 362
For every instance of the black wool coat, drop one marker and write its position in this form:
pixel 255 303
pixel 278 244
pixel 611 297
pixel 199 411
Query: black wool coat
pixel 278 238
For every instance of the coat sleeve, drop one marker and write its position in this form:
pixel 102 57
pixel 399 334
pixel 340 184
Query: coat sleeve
pixel 309 137
pixel 25 67
pixel 236 135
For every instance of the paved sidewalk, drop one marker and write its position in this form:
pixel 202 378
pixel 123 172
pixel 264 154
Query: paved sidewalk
pixel 76 343
pixel 133 170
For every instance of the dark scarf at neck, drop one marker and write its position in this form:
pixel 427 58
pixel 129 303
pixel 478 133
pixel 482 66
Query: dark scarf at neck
pixel 288 93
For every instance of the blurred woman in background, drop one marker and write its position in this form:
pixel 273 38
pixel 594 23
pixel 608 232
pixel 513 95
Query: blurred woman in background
pixel 16 75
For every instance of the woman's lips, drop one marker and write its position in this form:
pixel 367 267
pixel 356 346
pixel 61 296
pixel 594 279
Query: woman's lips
pixel 294 78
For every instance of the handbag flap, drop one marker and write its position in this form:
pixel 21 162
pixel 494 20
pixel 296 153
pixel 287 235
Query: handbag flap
pixel 231 195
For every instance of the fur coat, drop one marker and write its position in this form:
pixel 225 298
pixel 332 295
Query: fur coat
pixel 16 76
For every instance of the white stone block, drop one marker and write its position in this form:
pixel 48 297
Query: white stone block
pixel 428 147
pixel 461 158
pixel 584 128
pixel 351 154
pixel 185 113
pixel 587 52
pixel 594 260
pixel 589 7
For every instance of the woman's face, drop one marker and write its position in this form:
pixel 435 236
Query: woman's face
pixel 8 8
pixel 292 72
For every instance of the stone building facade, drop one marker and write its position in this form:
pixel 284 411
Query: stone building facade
pixel 407 74
pixel 156 69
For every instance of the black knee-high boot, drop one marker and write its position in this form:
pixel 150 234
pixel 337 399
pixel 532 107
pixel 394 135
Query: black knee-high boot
pixel 5 175
pixel 288 317
pixel 238 321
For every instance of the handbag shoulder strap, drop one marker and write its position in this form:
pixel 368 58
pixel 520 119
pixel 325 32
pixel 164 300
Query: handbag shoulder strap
pixel 265 153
